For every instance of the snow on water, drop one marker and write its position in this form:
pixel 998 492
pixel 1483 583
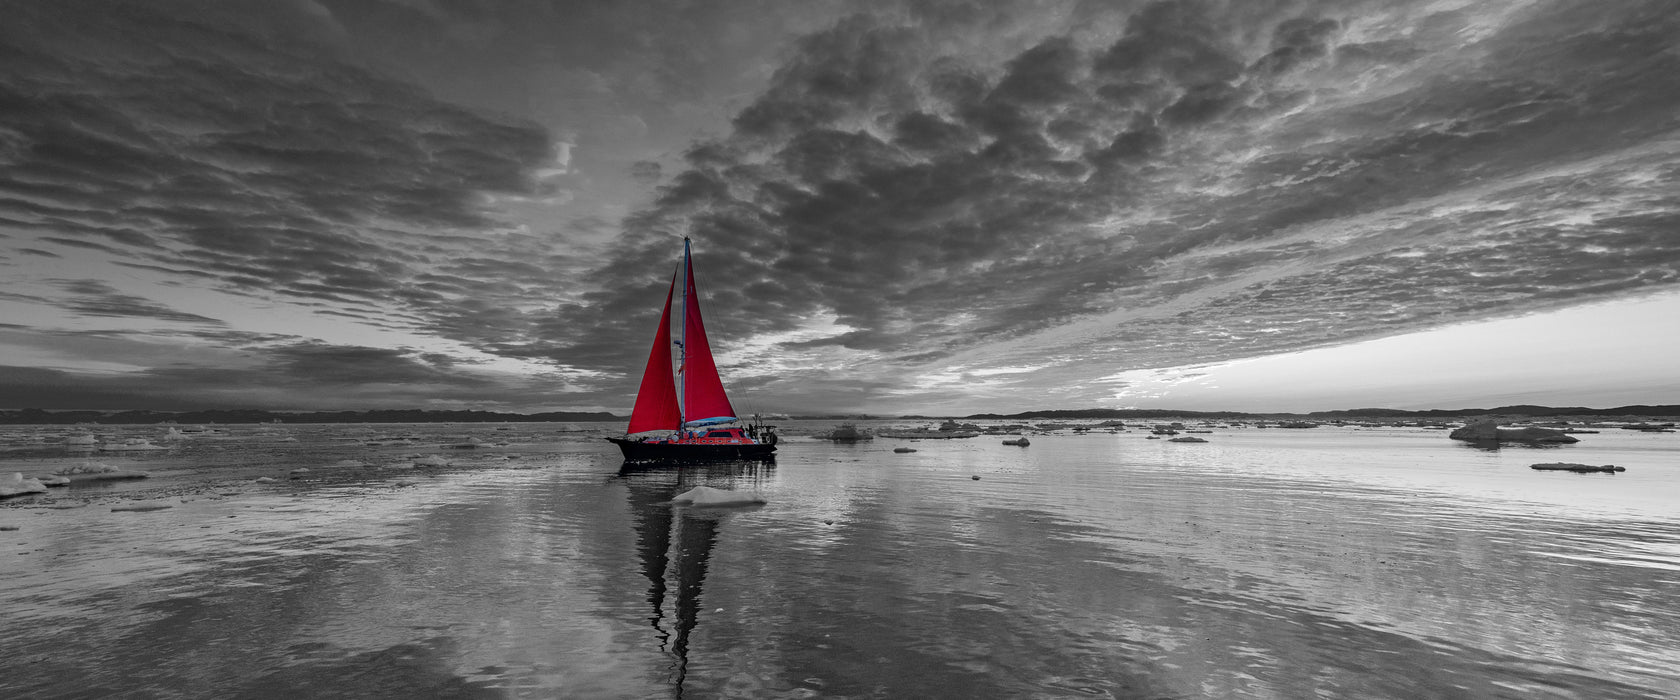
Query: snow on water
pixel 1334 562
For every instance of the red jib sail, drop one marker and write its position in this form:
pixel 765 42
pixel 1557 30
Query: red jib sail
pixel 703 397
pixel 656 402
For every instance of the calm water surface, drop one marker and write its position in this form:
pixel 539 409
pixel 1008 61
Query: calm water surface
pixel 1333 563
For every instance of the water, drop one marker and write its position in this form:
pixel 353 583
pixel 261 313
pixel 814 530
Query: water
pixel 1333 563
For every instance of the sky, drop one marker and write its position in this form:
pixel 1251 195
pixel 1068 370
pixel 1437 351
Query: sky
pixel 939 207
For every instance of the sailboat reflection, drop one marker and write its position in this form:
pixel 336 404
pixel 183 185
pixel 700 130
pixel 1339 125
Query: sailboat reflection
pixel 678 573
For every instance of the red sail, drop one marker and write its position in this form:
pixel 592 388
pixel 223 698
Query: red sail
pixel 656 402
pixel 703 397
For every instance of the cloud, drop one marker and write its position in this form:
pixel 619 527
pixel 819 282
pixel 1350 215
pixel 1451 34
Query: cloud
pixel 232 147
pixel 916 187
pixel 272 372
pixel 96 298
pixel 646 172
pixel 1078 192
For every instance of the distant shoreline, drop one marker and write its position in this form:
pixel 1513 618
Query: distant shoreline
pixel 31 416
pixel 1347 414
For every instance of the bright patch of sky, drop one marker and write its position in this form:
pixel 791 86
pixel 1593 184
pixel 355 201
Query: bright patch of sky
pixel 1600 355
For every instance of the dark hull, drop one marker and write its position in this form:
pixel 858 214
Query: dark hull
pixel 666 453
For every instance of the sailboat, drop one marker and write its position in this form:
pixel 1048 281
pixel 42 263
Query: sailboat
pixel 696 427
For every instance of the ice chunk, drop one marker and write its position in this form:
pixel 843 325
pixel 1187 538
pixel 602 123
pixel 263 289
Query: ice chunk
pixel 88 468
pixel 16 485
pixel 708 496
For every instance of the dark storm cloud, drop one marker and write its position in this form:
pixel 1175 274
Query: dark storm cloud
pixel 935 201
pixel 318 363
pixel 230 141
pixel 646 172
pixel 96 298
pixel 267 372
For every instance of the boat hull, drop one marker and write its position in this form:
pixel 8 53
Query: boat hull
pixel 691 453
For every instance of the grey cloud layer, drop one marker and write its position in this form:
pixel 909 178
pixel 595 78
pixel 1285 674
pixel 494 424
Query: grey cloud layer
pixel 1115 184
pixel 249 370
pixel 1197 181
pixel 258 162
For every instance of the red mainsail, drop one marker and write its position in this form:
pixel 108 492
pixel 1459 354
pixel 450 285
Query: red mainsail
pixel 703 397
pixel 656 401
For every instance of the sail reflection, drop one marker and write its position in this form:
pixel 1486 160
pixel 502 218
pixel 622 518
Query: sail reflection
pixel 674 544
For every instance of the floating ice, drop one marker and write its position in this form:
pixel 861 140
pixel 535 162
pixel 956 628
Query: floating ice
pixel 99 471
pixel 132 445
pixel 88 468
pixel 16 485
pixel 708 496
pixel 143 508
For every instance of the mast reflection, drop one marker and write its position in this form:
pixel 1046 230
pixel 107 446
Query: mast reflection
pixel 677 574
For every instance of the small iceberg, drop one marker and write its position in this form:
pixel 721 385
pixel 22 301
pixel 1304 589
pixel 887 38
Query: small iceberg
pixel 1579 468
pixel 846 432
pixel 16 485
pixel 1186 439
pixel 708 496
pixel 98 471
pixel 1488 431
pixel 132 445
pixel 88 468
pixel 142 508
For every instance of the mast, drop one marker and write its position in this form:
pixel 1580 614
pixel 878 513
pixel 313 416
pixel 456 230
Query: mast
pixel 682 345
pixel 704 400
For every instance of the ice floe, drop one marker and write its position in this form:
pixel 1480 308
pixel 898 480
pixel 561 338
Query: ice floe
pixel 17 485
pixel 99 471
pixel 708 496
pixel 132 445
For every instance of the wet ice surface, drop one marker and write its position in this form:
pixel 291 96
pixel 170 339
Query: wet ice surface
pixel 1332 562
